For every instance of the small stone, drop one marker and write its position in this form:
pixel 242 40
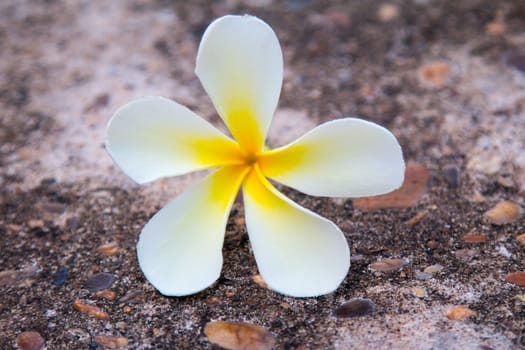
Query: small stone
pixel 459 313
pixel 259 281
pixel 388 12
pixel 432 244
pixel 11 277
pixel 357 307
pixel 475 238
pixel 239 335
pixel 504 212
pixel 108 249
pixel 434 74
pixel 100 281
pixel 107 294
pixel 465 254
pixel 387 265
pixel 126 309
pixel 60 277
pixel 496 27
pixel 111 342
pixel 452 175
pixel 133 296
pixel 35 223
pixel 419 292
pixel 521 297
pixel 521 239
pixel 433 268
pixel 422 276
pixel 502 250
pixel 213 301
pixel 90 309
pixel 413 187
pixel 517 278
pixel 30 341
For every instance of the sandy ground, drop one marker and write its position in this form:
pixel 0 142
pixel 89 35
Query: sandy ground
pixel 447 77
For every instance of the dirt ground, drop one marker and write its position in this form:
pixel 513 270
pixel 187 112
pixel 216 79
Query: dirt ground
pixel 447 77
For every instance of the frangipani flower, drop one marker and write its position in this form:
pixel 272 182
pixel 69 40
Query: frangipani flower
pixel 298 252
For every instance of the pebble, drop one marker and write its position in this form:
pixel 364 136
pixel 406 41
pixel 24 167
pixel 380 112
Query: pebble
pixel 413 187
pixel 108 249
pixel 10 277
pixel 521 239
pixel 433 268
pixel 90 309
pixel 432 244
pixel 434 74
pixel 388 12
pixel 357 307
pixel 465 254
pixel 35 223
pixel 504 212
pixel 259 281
pixel 387 265
pixel 452 175
pixel 459 313
pixel 30 341
pixel 517 278
pixel 239 335
pixel 111 342
pixel 422 276
pixel 475 238
pixel 60 277
pixel 133 296
pixel 419 292
pixel 100 281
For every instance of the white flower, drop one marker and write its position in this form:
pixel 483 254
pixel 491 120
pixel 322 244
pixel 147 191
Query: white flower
pixel 298 253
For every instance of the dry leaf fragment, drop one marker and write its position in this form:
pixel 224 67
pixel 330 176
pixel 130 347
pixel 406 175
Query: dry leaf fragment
pixel 108 249
pixel 459 312
pixel 239 335
pixel 419 292
pixel 111 342
pixel 504 212
pixel 517 278
pixel 387 265
pixel 475 238
pixel 414 185
pixel 90 309
pixel 30 341
pixel 10 277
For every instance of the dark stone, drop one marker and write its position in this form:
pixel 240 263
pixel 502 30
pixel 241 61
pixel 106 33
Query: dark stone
pixel 60 276
pixel 100 281
pixel 355 308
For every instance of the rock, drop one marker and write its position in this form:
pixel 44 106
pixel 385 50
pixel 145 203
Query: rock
pixel 11 277
pixel 433 268
pixel 357 307
pixel 422 276
pixel 106 294
pixel 419 292
pixel 517 278
pixel 434 74
pixel 90 309
pixel 239 335
pixel 111 342
pixel 452 175
pixel 504 212
pixel 459 313
pixel 521 239
pixel 133 296
pixel 387 265
pixel 465 254
pixel 30 341
pixel 100 281
pixel 60 277
pixel 414 186
pixel 35 223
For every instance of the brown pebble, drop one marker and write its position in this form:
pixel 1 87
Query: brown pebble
pixel 432 244
pixel 434 73
pixel 357 307
pixel 452 175
pixel 111 342
pixel 30 341
pixel 416 219
pixel 413 187
pixel 521 239
pixel 127 309
pixel 239 335
pixel 504 212
pixel 13 228
pixel 259 281
pixel 213 301
pixel 517 278
pixel 10 277
pixel 35 223
pixel 100 281
pixel 459 313
pixel 387 265
pixel 90 309
pixel 108 249
pixel 106 294
pixel 475 238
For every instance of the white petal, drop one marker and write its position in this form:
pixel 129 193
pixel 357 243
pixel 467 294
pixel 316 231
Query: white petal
pixel 346 157
pixel 240 65
pixel 298 252
pixel 180 248
pixel 154 137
